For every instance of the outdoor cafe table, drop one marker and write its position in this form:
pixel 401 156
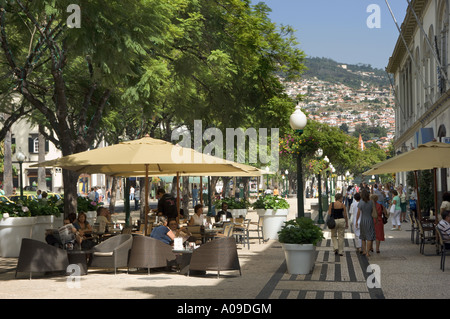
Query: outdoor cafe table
pixel 183 259
pixel 79 257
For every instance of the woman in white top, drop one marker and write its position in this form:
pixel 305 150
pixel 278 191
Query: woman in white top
pixel 354 212
pixel 197 218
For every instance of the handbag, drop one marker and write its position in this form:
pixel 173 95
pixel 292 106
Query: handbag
pixel 331 223
pixel 392 209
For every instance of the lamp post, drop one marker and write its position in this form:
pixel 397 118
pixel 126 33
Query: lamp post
pixel 298 122
pixel 20 158
pixel 326 180
pixel 332 185
pixel 267 177
pixel 320 220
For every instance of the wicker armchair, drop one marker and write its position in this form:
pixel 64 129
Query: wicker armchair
pixel 36 256
pixel 218 254
pixel 112 253
pixel 148 252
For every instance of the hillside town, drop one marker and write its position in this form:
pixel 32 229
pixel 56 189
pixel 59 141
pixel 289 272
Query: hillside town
pixel 337 104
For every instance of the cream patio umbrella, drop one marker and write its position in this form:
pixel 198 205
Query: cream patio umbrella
pixel 432 155
pixel 146 156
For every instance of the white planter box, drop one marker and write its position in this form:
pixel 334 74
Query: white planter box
pixel 12 231
pixel 236 213
pixel 273 221
pixel 42 224
pixel 300 259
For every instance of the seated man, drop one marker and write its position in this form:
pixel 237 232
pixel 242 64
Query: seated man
pixel 444 227
pixel 64 237
pixel 224 212
pixel 103 218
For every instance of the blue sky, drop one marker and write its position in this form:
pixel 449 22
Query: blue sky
pixel 337 29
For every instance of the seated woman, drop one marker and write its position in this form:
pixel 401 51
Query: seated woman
pixel 162 232
pixel 224 212
pixel 84 230
pixel 82 225
pixel 197 218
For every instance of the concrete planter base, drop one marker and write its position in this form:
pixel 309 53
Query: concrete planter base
pixel 300 259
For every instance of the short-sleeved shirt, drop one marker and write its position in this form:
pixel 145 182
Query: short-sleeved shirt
pixel 167 205
pixel 445 205
pixel 160 233
pixel 444 227
pixel 397 202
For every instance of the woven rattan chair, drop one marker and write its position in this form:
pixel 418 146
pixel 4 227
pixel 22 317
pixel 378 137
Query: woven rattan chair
pixel 112 253
pixel 218 255
pixel 148 252
pixel 442 251
pixel 36 256
pixel 425 234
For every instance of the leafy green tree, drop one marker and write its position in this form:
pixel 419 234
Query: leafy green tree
pixel 70 75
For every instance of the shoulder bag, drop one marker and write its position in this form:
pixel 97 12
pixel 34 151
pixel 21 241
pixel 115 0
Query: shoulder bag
pixel 331 223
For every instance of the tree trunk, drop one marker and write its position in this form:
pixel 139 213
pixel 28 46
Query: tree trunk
pixel 246 181
pixel 70 179
pixel 7 166
pixel 186 194
pixel 42 183
pixel 226 186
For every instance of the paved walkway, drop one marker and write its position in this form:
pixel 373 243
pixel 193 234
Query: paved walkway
pixel 404 274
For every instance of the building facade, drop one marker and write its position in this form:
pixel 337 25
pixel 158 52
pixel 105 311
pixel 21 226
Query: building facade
pixel 420 69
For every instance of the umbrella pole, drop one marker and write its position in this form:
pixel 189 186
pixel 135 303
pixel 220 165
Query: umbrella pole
pixel 435 197
pixel 418 196
pixel 201 190
pixel 146 210
pixel 178 195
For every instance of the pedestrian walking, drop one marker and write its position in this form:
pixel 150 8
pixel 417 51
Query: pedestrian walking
pixel 337 209
pixel 353 213
pixel 396 222
pixel 402 196
pixel 378 222
pixel 366 225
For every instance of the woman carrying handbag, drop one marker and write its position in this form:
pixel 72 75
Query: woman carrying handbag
pixel 338 211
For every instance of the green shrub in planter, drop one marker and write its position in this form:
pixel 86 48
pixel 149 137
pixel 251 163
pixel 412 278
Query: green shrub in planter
pixel 300 231
pixel 271 202
pixel 14 210
pixel 85 205
pixel 42 207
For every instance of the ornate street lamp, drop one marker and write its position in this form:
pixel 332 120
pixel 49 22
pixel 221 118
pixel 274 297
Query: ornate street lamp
pixel 298 122
pixel 20 158
pixel 332 185
pixel 320 220
pixel 327 161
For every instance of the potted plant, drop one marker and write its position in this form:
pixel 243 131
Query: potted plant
pixel 16 223
pixel 46 212
pixel 274 210
pixel 89 207
pixel 239 207
pixel 299 238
